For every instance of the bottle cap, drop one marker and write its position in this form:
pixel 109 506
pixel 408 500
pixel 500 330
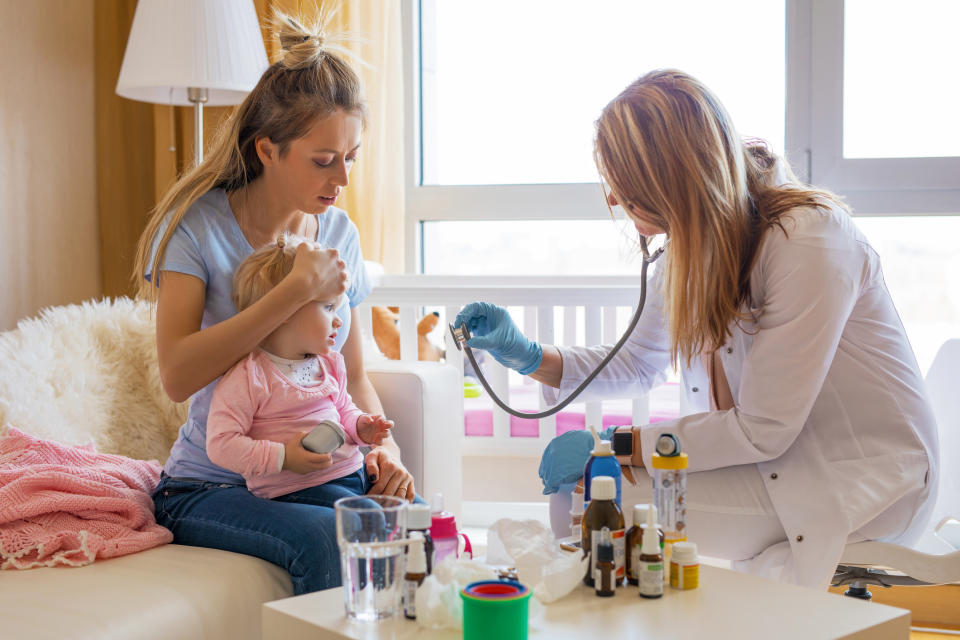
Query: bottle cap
pixel 684 552
pixel 651 538
pixel 417 557
pixel 640 513
pixel 600 447
pixel 603 488
pixel 443 525
pixel 576 504
pixel 605 546
pixel 669 462
pixel 418 516
pixel 668 445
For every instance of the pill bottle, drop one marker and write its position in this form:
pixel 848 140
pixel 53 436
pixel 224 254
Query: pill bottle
pixel 684 566
pixel 603 512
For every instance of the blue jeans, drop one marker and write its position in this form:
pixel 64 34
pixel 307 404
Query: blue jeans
pixel 296 531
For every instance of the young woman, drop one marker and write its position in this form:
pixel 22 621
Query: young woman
pixel 811 427
pixel 278 167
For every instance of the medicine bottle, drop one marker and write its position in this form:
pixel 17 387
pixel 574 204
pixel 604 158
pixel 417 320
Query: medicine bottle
pixel 415 575
pixel 604 576
pixel 635 540
pixel 650 565
pixel 600 463
pixel 603 512
pixel 670 492
pixel 684 566
pixel 419 519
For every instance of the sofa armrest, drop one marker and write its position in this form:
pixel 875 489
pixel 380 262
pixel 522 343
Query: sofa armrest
pixel 425 401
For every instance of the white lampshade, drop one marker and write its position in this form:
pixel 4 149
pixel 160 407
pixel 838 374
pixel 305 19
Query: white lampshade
pixel 207 44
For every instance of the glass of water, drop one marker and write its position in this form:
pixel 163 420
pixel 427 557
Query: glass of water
pixel 371 532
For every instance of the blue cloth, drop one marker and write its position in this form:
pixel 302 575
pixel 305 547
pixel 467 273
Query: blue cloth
pixel 209 245
pixel 565 457
pixel 493 330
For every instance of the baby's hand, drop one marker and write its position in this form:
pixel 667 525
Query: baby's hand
pixel 373 429
pixel 300 460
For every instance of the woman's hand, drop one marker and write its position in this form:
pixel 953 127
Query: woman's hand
pixel 493 330
pixel 320 273
pixel 300 460
pixel 389 476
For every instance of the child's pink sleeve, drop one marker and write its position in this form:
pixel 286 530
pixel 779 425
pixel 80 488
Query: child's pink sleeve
pixel 235 401
pixel 349 412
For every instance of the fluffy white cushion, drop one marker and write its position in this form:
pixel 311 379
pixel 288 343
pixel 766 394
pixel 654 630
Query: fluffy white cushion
pixel 89 372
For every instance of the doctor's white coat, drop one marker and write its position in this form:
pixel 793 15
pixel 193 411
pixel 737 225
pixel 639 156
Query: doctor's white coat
pixel 829 401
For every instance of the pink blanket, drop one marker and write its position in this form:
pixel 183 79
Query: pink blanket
pixel 70 505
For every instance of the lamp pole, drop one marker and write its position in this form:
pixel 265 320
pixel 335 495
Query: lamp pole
pixel 197 96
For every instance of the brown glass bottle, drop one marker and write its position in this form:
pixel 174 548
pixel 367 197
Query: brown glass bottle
pixel 635 540
pixel 601 512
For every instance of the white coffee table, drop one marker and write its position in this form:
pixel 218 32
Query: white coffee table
pixel 727 605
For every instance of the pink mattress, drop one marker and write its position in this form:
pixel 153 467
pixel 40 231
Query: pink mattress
pixel 478 412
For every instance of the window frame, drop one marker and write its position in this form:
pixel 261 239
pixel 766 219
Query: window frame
pixel 813 142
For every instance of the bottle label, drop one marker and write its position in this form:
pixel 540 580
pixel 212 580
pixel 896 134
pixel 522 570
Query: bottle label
pixel 670 497
pixel 619 551
pixel 410 598
pixel 635 563
pixel 651 578
pixel 684 576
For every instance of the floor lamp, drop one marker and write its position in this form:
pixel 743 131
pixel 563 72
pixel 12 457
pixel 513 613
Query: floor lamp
pixel 193 52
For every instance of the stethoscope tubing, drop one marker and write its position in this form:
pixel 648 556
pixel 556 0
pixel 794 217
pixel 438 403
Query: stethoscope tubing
pixel 648 259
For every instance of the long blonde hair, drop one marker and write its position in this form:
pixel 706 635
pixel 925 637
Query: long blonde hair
pixel 668 149
pixel 308 81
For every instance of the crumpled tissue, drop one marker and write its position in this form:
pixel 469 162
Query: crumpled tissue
pixel 530 547
pixel 438 598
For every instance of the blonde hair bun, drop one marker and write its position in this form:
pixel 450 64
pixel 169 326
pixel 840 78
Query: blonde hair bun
pixel 301 45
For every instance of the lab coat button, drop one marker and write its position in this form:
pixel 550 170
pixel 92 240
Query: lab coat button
pixel 799 538
pixel 695 389
pixel 773 476
pixel 729 349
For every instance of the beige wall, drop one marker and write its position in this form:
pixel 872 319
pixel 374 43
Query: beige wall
pixel 49 244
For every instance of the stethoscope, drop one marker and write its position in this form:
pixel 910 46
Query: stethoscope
pixel 461 335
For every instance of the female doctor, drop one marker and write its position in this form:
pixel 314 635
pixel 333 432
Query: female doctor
pixel 810 426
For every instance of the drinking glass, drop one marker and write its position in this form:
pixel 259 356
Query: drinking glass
pixel 371 532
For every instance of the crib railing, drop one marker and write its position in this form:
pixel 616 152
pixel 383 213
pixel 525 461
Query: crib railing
pixel 555 310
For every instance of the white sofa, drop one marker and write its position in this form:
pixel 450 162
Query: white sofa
pixel 88 372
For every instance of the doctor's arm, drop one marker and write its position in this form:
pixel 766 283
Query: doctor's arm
pixel 810 285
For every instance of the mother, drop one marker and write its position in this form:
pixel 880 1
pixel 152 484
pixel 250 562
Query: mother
pixel 810 424
pixel 279 166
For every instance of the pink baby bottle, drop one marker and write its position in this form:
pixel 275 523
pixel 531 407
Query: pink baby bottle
pixel 443 530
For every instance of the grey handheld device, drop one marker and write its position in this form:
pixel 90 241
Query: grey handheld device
pixel 325 437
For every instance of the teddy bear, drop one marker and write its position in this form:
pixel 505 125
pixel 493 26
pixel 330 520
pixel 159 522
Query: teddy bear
pixel 387 335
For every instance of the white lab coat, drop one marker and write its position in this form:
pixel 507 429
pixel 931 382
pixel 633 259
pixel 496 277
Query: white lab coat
pixel 829 401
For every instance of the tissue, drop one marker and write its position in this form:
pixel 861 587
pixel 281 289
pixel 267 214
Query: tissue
pixel 530 547
pixel 438 598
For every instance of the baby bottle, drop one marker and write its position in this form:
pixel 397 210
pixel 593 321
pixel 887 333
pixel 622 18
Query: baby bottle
pixel 670 492
pixel 443 530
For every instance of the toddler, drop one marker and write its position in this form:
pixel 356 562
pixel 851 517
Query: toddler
pixel 268 402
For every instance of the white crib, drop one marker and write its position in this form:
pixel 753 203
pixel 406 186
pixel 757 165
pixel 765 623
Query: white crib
pixel 554 310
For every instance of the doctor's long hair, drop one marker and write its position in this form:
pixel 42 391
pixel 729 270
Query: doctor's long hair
pixel 668 150
pixel 308 81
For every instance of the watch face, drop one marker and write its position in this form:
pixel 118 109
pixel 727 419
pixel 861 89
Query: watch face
pixel 622 443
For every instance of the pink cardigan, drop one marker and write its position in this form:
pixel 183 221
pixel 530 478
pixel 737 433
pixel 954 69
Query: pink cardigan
pixel 255 408
pixel 62 505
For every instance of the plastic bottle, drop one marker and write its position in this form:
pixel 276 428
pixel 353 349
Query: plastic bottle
pixel 684 566
pixel 635 540
pixel 416 572
pixel 670 492
pixel 419 519
pixel 443 530
pixel 604 575
pixel 650 566
pixel 600 463
pixel 603 512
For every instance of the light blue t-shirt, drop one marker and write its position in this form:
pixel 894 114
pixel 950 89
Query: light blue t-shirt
pixel 209 244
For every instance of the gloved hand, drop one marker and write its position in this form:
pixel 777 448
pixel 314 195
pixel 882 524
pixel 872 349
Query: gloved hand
pixel 493 330
pixel 565 457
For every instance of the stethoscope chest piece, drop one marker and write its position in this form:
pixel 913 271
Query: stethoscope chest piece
pixel 460 336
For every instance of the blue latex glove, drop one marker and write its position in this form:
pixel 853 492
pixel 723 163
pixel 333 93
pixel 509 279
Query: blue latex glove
pixel 565 457
pixel 493 330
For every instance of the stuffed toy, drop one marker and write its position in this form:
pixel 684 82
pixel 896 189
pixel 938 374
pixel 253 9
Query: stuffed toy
pixel 387 334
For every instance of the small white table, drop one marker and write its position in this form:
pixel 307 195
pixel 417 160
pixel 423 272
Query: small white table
pixel 727 605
